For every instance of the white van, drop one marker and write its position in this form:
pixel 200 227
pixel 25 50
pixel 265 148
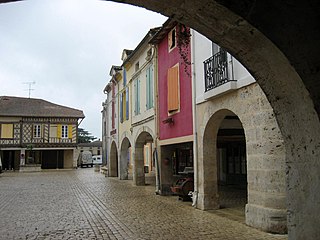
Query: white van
pixel 85 159
pixel 97 160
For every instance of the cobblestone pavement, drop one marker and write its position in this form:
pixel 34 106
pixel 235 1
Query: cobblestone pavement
pixel 83 204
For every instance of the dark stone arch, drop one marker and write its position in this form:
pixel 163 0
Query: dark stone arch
pixel 124 161
pixel 138 165
pixel 113 161
pixel 265 172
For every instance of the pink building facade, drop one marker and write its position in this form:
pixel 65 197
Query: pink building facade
pixel 175 122
pixel 181 123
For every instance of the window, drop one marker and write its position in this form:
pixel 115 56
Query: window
pixel 172 39
pixel 53 132
pixel 173 89
pixel 149 87
pixel 64 131
pixel 136 67
pixel 136 87
pixel 36 131
pixel 7 131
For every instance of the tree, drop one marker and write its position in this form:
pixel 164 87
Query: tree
pixel 85 136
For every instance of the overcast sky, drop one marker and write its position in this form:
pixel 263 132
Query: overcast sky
pixel 67 48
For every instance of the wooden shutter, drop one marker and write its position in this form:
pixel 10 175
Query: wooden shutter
pixel 124 77
pixel 121 108
pixel 113 106
pixel 173 89
pixel 59 131
pixel 7 131
pixel 139 96
pixel 149 87
pixel 127 103
pixel 135 89
pixel 70 131
pixel 124 105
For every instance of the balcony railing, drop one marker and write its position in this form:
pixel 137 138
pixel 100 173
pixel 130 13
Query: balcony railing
pixel 216 70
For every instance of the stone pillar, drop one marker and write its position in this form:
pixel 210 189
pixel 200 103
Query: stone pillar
pixel 112 165
pixel 207 198
pixel 166 172
pixel 138 166
pixel 123 165
pixel 266 208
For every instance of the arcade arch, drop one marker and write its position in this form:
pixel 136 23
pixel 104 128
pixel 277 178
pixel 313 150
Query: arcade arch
pixel 142 157
pixel 125 156
pixel 113 161
pixel 264 170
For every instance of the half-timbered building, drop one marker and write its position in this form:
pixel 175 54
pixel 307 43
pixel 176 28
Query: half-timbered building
pixel 36 134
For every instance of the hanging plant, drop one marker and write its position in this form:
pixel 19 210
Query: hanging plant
pixel 183 42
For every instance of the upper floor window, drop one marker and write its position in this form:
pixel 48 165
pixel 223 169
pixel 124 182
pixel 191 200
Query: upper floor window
pixel 37 131
pixel 172 39
pixel 6 130
pixel 64 131
pixel 173 89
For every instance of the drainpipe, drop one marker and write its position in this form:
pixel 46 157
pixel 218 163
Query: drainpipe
pixel 194 117
pixel 156 113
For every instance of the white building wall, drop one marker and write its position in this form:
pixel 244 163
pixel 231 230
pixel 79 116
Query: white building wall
pixel 201 51
pixel 146 116
pixel 144 63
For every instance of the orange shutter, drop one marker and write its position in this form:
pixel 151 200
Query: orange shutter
pixel 173 89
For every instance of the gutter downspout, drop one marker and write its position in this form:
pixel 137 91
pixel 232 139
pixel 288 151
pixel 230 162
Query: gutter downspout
pixel 156 112
pixel 106 126
pixel 194 117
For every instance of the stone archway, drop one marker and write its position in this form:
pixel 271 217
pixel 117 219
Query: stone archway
pixel 266 207
pixel 113 161
pixel 124 159
pixel 232 164
pixel 142 140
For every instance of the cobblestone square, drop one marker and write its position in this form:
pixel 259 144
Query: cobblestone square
pixel 83 204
